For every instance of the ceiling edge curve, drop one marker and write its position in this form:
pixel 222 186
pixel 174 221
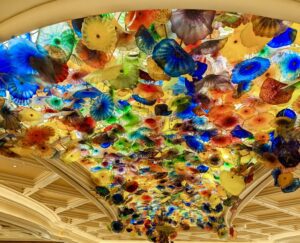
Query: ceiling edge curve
pixel 50 12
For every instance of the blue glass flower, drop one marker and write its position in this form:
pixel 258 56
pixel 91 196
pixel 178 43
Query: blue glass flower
pixel 199 121
pixel 78 104
pixel 102 107
pixel 287 113
pixel 6 69
pixel 275 174
pixel 2 87
pixel 208 134
pixel 202 168
pixel 26 55
pixel 22 88
pixel 143 101
pixel 200 70
pixel 249 69
pixel 6 66
pixel 144 40
pixel 194 143
pixel 293 187
pixel 172 58
pixel 284 39
pixel 179 87
pixel 242 88
pixel 77 24
pixel 171 210
pixel 188 113
pixel 87 93
pixel 21 102
pixel 239 132
pixel 290 65
pixel 190 87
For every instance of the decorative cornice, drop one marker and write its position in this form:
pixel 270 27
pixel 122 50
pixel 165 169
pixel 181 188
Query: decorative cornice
pixel 18 206
pixel 80 179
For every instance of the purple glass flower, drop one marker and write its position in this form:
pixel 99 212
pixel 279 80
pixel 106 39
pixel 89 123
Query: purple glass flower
pixel 192 25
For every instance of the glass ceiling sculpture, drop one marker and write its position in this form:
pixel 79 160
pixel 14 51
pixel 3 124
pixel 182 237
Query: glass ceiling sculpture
pixel 171 111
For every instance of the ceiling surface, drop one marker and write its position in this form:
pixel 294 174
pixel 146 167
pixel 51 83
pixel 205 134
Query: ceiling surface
pixel 40 202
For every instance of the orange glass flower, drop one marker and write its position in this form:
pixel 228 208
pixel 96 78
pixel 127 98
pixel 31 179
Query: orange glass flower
pixel 146 198
pixel 152 123
pixel 93 58
pixel 262 137
pixel 221 141
pixel 245 112
pixel 227 121
pixel 135 19
pixel 148 91
pixel 285 179
pixel 38 135
pixel 260 122
pixel 216 111
pixel 45 151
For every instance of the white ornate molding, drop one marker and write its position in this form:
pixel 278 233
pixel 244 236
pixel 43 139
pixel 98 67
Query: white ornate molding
pixel 80 179
pixel 37 218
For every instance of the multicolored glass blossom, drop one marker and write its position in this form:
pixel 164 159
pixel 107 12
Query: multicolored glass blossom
pixel 171 111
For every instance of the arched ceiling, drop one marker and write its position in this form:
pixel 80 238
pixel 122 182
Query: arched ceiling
pixel 19 16
pixel 265 214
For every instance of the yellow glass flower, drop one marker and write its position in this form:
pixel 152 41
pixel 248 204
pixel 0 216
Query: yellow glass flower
pixel 30 115
pixel 71 156
pixel 99 34
pixel 234 184
pixel 102 178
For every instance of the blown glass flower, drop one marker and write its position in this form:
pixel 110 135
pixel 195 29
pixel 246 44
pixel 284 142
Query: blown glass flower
pixel 289 64
pixel 249 69
pixel 135 19
pixel 23 87
pixel 192 25
pixel 38 135
pixel 59 36
pixel 6 68
pixel 144 40
pixel 267 27
pixel 274 92
pixel 99 34
pixel 172 58
pixel 283 39
pixel 93 58
pixel 26 56
pixel 102 108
